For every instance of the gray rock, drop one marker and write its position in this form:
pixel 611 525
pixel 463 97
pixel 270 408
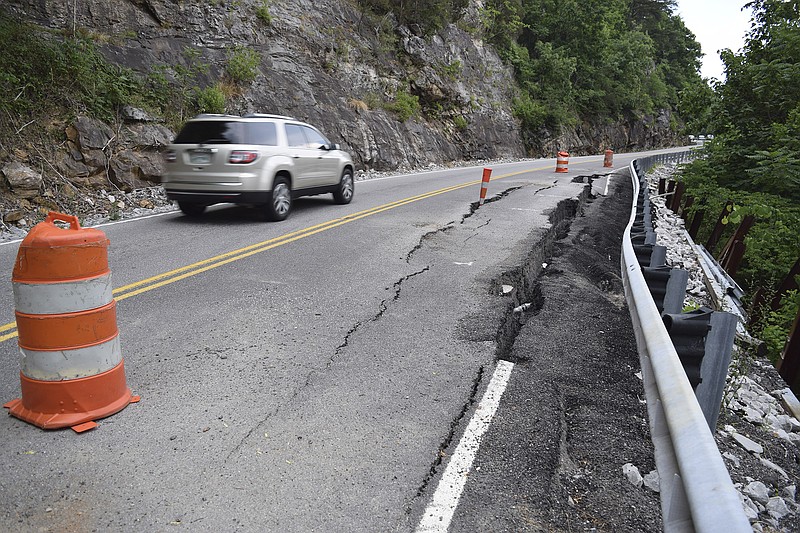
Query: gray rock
pixel 750 509
pixel 757 491
pixel 773 466
pixel 777 508
pixel 134 114
pixel 732 458
pixel 652 481
pixel 24 181
pixel 89 134
pixel 747 444
pixel 633 475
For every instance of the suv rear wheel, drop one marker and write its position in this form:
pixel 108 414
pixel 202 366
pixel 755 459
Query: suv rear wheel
pixel 192 210
pixel 346 188
pixel 280 204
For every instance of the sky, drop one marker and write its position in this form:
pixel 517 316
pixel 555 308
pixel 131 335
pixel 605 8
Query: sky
pixel 717 24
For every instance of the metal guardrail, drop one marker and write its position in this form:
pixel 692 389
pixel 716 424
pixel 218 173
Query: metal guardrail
pixel 696 490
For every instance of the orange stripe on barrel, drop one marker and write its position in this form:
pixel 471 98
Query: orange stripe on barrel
pixel 67 331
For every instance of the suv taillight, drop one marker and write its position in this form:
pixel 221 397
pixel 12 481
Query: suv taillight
pixel 242 157
pixel 170 156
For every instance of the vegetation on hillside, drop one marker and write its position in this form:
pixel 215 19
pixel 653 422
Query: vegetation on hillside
pixel 592 59
pixel 44 75
pixel 576 59
pixel 754 157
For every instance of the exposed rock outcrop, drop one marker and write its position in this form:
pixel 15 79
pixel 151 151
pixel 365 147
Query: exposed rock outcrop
pixel 324 62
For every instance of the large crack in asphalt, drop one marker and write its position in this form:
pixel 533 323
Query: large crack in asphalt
pixel 524 280
pixel 382 308
pixel 571 415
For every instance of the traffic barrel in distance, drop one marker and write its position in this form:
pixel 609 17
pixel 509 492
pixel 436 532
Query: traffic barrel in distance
pixel 487 173
pixel 608 160
pixel 72 372
pixel 562 161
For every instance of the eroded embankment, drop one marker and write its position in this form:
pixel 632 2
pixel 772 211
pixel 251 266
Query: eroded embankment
pixel 526 296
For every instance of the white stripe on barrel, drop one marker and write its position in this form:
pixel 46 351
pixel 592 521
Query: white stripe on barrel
pixel 63 297
pixel 71 364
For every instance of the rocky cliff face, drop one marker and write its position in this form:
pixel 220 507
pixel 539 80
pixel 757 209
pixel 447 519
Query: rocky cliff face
pixel 324 62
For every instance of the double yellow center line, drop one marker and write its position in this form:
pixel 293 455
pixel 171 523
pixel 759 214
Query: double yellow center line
pixel 145 285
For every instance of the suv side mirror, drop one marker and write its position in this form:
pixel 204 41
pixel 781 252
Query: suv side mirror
pixel 331 146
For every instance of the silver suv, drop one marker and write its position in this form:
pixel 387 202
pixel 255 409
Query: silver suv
pixel 261 160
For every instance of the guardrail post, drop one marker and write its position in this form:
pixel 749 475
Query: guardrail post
pixel 688 333
pixel 667 286
pixel 703 340
pixel 650 255
pixel 714 371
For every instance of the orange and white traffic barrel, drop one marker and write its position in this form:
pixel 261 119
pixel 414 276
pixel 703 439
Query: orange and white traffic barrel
pixel 72 372
pixel 608 160
pixel 487 174
pixel 562 161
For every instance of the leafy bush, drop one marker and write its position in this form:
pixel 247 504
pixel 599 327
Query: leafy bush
pixel 262 12
pixel 774 328
pixel 242 66
pixel 46 73
pixel 405 105
pixel 428 15
pixel 210 100
pixel 574 60
pixel 42 73
pixel 460 122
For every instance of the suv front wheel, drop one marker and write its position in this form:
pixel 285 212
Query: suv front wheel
pixel 280 204
pixel 346 188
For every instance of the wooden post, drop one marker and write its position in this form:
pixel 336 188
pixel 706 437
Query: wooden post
pixel 787 285
pixel 680 187
pixel 718 228
pixel 697 221
pixel 731 256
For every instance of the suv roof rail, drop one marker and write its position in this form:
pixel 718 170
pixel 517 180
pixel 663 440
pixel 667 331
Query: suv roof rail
pixel 267 115
pixel 206 115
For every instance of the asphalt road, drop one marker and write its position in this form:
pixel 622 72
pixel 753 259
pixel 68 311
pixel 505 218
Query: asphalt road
pixel 310 375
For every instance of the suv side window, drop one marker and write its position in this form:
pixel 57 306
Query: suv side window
pixel 263 133
pixel 294 135
pixel 314 138
pixel 211 132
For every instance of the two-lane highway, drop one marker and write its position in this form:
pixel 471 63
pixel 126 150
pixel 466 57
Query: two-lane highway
pixel 308 375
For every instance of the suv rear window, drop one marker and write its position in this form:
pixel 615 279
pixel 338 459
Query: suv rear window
pixel 228 132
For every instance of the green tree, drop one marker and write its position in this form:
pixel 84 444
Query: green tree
pixel 756 113
pixel 592 59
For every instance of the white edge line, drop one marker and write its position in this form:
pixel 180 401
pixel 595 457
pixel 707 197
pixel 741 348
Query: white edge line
pixel 440 510
pixel 608 181
pixel 123 221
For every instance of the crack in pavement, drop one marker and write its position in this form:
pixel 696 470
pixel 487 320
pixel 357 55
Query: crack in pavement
pixel 425 237
pixel 382 308
pixel 448 440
